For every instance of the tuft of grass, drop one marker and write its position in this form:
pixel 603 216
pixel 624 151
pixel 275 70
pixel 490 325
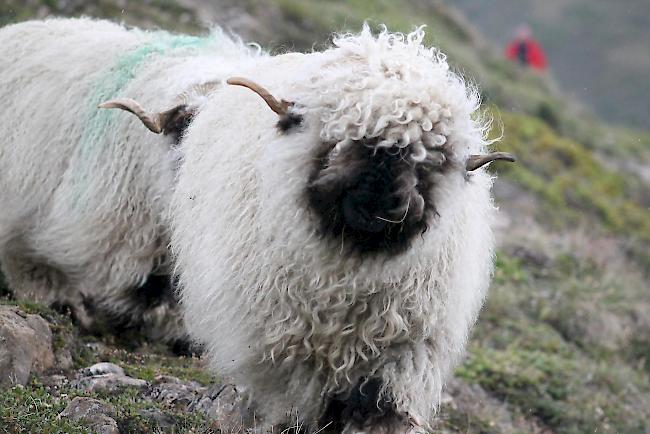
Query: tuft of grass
pixel 34 409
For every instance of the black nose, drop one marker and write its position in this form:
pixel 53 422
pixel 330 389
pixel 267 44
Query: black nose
pixel 372 199
pixel 359 213
pixel 367 202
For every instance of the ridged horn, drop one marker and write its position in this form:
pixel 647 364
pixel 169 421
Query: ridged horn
pixel 476 161
pixel 279 107
pixel 153 121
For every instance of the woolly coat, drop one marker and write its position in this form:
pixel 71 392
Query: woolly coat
pixel 292 315
pixel 84 190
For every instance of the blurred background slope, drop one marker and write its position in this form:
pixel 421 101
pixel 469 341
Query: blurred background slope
pixel 599 49
pixel 563 344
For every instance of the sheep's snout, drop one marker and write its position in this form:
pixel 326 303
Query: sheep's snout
pixel 371 198
pixel 358 213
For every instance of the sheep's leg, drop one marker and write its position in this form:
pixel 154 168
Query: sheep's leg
pixel 364 409
pixel 33 278
pixel 29 279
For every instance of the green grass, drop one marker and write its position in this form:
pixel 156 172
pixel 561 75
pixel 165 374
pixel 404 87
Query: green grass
pixel 35 409
pixel 150 363
pixel 527 352
pixel 573 186
pixel 167 14
pixel 566 392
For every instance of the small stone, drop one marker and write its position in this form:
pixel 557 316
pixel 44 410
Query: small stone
pixel 159 419
pixel 95 414
pixel 63 359
pixel 108 383
pixel 103 368
pixel 173 391
pixel 96 347
pixel 224 406
pixel 25 346
pixel 55 381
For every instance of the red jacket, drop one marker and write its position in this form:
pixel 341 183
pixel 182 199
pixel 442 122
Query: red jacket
pixel 528 52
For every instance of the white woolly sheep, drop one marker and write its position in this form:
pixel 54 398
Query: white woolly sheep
pixel 332 252
pixel 84 191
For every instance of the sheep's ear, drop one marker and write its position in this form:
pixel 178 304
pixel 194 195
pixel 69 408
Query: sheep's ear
pixel 476 161
pixel 170 122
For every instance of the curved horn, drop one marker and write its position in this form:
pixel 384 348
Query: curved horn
pixel 476 161
pixel 201 89
pixel 279 107
pixel 154 122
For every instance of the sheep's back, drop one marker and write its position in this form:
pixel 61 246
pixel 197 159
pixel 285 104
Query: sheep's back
pixel 48 70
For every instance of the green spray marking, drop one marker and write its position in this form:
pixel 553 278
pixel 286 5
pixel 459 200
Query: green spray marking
pixel 100 123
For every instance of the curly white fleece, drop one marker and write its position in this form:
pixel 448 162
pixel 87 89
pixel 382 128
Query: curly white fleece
pixel 284 311
pixel 89 196
pixel 395 88
pixel 83 191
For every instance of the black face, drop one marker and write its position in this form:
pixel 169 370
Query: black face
pixel 373 199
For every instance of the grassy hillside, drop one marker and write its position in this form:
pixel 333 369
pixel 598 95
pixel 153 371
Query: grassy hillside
pixel 563 344
pixel 598 49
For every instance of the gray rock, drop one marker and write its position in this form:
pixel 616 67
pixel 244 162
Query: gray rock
pixel 97 415
pixel 25 346
pixel 106 377
pixel 55 381
pixel 159 419
pixel 96 347
pixel 225 406
pixel 63 359
pixel 175 392
pixel 103 368
pixel 108 383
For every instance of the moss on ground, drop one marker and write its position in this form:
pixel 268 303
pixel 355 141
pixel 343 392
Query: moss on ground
pixel 573 186
pixel 566 392
pixel 526 353
pixel 35 409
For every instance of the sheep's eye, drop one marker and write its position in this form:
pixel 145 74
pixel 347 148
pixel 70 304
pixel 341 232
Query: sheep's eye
pixel 288 121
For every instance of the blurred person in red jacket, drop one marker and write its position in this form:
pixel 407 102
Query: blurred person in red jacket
pixel 525 50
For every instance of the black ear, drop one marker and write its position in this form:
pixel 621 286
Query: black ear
pixel 176 121
pixel 172 122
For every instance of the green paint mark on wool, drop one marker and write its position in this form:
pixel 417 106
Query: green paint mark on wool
pixel 127 66
pixel 100 123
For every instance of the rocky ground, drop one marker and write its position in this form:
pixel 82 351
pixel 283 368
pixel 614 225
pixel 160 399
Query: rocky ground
pixel 56 381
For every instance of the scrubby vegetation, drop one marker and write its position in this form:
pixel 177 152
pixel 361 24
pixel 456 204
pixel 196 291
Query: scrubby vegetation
pixel 151 13
pixel 35 408
pixel 563 343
